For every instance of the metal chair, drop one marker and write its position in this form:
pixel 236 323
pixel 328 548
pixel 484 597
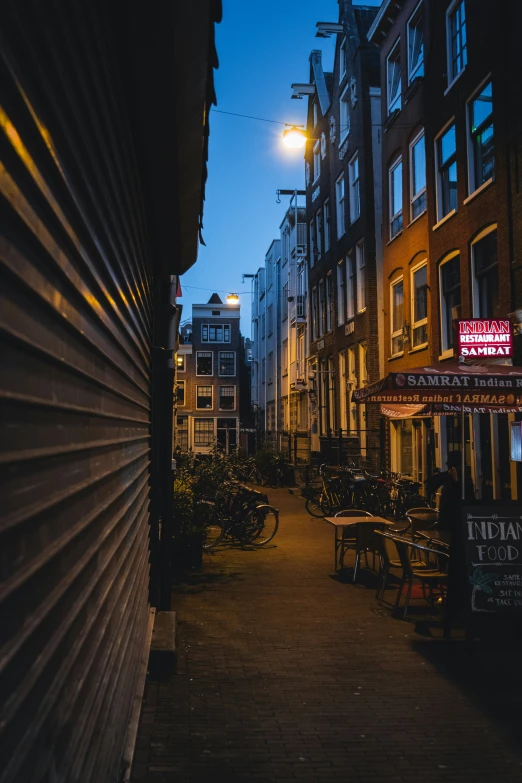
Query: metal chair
pixel 427 577
pixel 348 539
pixel 387 563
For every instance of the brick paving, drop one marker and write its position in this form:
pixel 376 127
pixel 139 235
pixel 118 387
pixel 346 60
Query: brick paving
pixel 287 673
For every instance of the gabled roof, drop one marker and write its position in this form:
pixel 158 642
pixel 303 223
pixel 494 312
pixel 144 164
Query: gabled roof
pixel 320 80
pixel 214 299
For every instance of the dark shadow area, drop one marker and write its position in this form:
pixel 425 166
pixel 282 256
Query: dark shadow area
pixel 200 580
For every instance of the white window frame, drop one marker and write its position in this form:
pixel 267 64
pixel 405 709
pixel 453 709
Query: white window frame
pixel 227 375
pixel 318 233
pixel 398 332
pixel 413 23
pixel 326 224
pixel 422 321
pixel 343 59
pixel 209 326
pixel 328 298
pixel 321 301
pixel 450 13
pixel 315 314
pixel 211 387
pixel 475 290
pixel 341 288
pixel 438 176
pixel 446 349
pixel 200 375
pixel 270 320
pixel 473 187
pixel 394 216
pixel 311 229
pixel 181 383
pixel 414 197
pixel 200 419
pixel 343 392
pixel 227 386
pixel 363 365
pixel 351 376
pixel 344 115
pixel 350 286
pixel 360 264
pixel 340 206
pixel 284 357
pixel 317 162
pixel 394 54
pixel 355 188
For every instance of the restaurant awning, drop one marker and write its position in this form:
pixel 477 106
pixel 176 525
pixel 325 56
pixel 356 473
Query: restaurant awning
pixel 406 411
pixel 497 386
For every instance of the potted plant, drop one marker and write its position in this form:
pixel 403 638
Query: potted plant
pixel 187 541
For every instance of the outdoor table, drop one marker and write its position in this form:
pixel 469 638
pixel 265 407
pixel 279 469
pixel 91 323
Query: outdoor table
pixel 422 519
pixel 343 522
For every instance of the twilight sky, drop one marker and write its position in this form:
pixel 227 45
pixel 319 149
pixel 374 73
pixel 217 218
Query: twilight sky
pixel 262 48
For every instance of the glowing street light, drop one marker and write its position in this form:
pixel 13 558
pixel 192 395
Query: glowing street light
pixel 232 299
pixel 294 137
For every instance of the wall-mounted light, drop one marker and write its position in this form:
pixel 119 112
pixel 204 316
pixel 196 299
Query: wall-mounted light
pixel 179 361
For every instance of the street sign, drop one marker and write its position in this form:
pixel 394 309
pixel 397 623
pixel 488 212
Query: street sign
pixel 484 337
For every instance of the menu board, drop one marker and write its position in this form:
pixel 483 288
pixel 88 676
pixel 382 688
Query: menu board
pixel 493 557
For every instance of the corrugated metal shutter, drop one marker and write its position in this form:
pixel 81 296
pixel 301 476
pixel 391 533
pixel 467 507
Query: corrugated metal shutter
pixel 75 328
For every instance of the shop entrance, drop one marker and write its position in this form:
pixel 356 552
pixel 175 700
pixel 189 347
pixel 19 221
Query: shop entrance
pixel 227 435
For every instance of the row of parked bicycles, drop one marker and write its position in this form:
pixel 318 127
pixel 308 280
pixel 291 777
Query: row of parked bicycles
pixel 328 489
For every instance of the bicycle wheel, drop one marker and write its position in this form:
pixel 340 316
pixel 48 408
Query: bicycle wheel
pixel 261 525
pixel 212 524
pixel 317 506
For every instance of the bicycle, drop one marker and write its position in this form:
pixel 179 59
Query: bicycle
pixel 237 512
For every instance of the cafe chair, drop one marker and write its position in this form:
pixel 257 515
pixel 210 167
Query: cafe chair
pixel 428 578
pixel 384 542
pixel 348 539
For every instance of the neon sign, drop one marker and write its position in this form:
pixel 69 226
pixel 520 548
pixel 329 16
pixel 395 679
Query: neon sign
pixel 481 337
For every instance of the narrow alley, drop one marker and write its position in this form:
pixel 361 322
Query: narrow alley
pixel 286 672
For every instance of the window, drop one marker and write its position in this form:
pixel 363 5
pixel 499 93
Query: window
pixel 270 319
pixel 339 194
pixel 418 176
pixel 268 273
pixel 397 319
pixel 456 40
pixel 485 270
pixel 204 363
pixel 203 396
pixel 343 392
pixel 393 72
pixel 227 363
pixel 352 383
pixel 203 432
pixel 270 366
pixel 447 173
pixel 329 302
pixel 317 161
pixel 481 138
pixel 361 277
pixel 284 302
pixel 180 362
pixel 315 315
pixel 355 196
pixel 227 398
pixel 322 309
pixel 395 182
pixel 319 233
pixel 340 293
pixel 215 333
pixel 326 225
pixel 311 243
pixel 419 305
pixel 284 357
pixel 180 392
pixel 416 45
pixel 350 287
pixel 344 114
pixel 449 285
pixel 263 321
pixel 343 52
pixel 263 370
pixel 363 361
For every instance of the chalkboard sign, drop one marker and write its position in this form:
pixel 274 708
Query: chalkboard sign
pixel 493 557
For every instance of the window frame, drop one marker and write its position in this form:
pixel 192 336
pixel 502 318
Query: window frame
pixel 270 320
pixel 423 321
pixel 329 302
pixel 394 334
pixel 227 386
pixel 227 375
pixel 182 367
pixel 475 293
pixel 446 348
pixel 208 326
pixel 343 59
pixel 439 167
pixel 321 293
pixel 413 21
pixel 205 407
pixel 394 216
pixel 326 224
pixel 205 375
pixel 284 357
pixel 340 205
pixel 415 197
pixel 341 290
pixel 394 55
pixel 350 286
pixel 319 233
pixel 317 162
pixel 284 302
pixel 315 314
pixel 354 184
pixel 450 14
pixel 311 242
pixel 344 115
pixel 473 187
pixel 360 267
pixel 180 383
pixel 198 421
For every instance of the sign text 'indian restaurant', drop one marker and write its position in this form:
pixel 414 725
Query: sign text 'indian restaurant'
pixel 484 337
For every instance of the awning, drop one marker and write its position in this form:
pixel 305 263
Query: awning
pixel 406 411
pixel 497 386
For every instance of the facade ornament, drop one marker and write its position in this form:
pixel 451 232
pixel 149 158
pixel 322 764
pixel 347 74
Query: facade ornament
pixel 307 173
pixel 343 149
pixel 353 91
pixel 333 133
pixel 323 145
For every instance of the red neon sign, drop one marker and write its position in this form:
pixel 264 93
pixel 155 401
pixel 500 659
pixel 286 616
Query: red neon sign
pixel 484 337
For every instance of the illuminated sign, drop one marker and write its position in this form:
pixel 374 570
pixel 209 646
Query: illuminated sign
pixel 484 337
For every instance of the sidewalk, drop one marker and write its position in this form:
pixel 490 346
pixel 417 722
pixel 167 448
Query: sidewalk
pixel 286 673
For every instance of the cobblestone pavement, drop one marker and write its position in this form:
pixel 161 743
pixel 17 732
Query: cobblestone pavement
pixel 288 673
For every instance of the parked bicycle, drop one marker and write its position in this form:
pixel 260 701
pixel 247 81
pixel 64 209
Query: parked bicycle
pixel 238 512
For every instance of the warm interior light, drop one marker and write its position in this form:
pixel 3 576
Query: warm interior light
pixel 295 138
pixel 232 298
pixel 179 360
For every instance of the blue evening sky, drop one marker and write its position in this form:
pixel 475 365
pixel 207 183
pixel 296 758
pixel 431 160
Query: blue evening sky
pixel 262 48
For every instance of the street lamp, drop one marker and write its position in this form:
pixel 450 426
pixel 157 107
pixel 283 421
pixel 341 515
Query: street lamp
pixel 294 137
pixel 232 299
